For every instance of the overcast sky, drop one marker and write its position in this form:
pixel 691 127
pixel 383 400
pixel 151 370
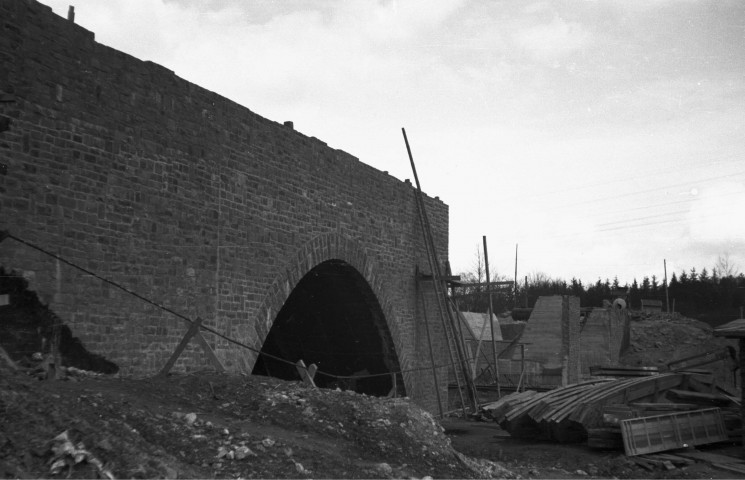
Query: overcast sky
pixel 600 136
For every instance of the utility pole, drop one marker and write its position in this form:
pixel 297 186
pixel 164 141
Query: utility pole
pixel 667 296
pixel 515 286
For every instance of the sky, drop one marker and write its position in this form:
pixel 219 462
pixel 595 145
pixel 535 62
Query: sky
pixel 598 137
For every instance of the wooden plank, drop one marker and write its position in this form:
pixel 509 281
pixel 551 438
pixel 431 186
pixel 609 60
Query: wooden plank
pixel 633 390
pixel 306 373
pixel 700 397
pixel 554 414
pixel 730 467
pixel 698 360
pixel 666 464
pixel 193 330
pixel 6 358
pixel 674 459
pixel 209 352
pixel 664 406
pixel 709 457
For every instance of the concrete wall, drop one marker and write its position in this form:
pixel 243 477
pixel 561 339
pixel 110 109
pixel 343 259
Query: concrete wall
pixel 603 337
pixel 188 198
pixel 551 336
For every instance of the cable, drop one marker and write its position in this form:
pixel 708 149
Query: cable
pixel 210 329
pixel 648 174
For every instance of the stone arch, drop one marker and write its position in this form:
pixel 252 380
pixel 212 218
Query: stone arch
pixel 322 250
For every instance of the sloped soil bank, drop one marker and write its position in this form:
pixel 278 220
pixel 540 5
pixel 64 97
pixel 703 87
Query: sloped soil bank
pixel 208 425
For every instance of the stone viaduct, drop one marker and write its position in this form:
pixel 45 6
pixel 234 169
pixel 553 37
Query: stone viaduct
pixel 273 238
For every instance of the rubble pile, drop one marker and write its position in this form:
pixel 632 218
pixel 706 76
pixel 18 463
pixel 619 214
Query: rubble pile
pixel 657 338
pixel 216 425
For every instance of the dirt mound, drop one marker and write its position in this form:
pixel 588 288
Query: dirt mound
pixel 659 338
pixel 215 425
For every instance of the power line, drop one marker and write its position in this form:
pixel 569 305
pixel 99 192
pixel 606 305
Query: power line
pixel 623 179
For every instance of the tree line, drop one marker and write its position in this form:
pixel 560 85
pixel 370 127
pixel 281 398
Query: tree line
pixel 715 295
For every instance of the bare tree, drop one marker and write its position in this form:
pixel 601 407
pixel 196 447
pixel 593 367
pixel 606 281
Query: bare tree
pixel 725 266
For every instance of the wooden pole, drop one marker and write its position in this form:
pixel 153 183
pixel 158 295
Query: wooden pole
pixel 742 385
pixel 491 322
pixel 667 296
pixel 193 330
pixel 515 296
pixel 526 291
pixel 432 358
pixel 444 308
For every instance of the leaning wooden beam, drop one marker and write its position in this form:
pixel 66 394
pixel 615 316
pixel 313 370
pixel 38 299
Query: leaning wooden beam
pixel 209 352
pixel 193 330
pixel 307 373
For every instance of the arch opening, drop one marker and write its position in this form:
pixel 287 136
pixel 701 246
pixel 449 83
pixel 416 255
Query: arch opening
pixel 333 319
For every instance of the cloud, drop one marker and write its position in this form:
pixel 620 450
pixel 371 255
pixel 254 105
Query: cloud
pixel 551 41
pixel 713 217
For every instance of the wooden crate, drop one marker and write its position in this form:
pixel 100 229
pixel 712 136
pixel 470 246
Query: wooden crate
pixel 675 430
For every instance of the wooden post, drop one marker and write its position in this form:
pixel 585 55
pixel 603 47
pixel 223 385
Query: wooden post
pixel 491 321
pixel 393 392
pixel 522 367
pixel 667 297
pixel 515 285
pixel 420 294
pixel 742 385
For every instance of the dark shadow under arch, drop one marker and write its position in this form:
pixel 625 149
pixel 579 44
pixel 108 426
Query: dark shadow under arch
pixel 333 319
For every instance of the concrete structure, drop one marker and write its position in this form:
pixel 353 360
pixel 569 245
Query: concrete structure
pixel 552 338
pixel 184 197
pixel 603 337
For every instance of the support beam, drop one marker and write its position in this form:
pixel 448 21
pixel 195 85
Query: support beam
pixel 193 330
pixel 307 373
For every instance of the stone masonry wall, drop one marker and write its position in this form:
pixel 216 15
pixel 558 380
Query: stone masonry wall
pixel 187 198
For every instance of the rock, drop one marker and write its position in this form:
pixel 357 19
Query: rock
pixel 190 418
pixel 384 469
pixel 105 444
pixel 300 469
pixel 221 452
pixel 171 473
pixel 581 472
pixel 243 452
pixel 268 442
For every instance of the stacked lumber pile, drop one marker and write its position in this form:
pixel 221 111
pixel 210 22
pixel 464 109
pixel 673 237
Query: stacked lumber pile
pixel 684 458
pixel 592 410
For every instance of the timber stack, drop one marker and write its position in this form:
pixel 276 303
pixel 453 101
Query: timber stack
pixel 612 413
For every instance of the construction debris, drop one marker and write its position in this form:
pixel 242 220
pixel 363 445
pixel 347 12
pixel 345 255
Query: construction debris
pixel 671 431
pixel 597 410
